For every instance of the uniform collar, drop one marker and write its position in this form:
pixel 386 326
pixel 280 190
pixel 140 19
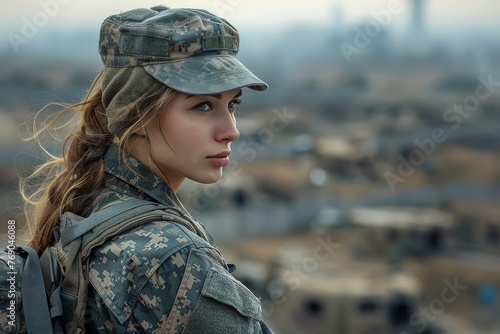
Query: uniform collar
pixel 129 176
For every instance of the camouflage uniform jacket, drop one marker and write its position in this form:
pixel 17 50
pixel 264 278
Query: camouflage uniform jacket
pixel 161 277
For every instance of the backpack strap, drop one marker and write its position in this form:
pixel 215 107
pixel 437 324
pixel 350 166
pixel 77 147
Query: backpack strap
pixel 35 307
pixel 52 277
pixel 116 212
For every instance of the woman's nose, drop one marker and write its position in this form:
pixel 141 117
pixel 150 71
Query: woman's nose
pixel 226 128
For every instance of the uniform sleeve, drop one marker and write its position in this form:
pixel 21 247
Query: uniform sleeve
pixel 161 279
pixel 203 298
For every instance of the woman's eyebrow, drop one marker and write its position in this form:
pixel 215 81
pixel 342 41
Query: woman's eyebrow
pixel 217 96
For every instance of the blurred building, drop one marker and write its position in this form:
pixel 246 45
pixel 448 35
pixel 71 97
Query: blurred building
pixel 356 302
pixel 401 232
pixel 478 225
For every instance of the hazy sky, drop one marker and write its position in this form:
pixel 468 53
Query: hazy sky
pixel 444 13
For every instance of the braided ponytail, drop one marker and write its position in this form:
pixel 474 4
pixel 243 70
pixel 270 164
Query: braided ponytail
pixel 68 181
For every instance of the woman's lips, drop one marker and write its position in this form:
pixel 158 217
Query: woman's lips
pixel 220 159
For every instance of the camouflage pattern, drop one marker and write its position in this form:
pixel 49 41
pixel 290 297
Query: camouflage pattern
pixel 161 277
pixel 189 50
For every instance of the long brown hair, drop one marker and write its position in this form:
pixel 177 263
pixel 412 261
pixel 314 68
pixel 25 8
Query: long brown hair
pixel 68 182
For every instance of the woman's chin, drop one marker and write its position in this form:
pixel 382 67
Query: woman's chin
pixel 209 178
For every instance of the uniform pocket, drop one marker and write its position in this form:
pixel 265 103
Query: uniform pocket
pixel 225 289
pixel 225 306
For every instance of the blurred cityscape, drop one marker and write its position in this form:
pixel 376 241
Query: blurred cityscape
pixel 363 194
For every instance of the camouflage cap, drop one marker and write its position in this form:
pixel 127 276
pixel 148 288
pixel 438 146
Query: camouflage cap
pixel 190 50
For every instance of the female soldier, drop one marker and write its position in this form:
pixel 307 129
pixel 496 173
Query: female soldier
pixel 161 110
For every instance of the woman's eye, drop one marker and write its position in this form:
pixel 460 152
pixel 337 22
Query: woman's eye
pixel 204 106
pixel 233 105
pixel 207 106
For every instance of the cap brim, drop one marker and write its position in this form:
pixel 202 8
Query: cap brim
pixel 205 75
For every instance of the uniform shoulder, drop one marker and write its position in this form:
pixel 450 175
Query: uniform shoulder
pixel 150 256
pixel 156 240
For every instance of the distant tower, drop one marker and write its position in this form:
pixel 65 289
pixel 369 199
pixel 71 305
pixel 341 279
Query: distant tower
pixel 418 17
